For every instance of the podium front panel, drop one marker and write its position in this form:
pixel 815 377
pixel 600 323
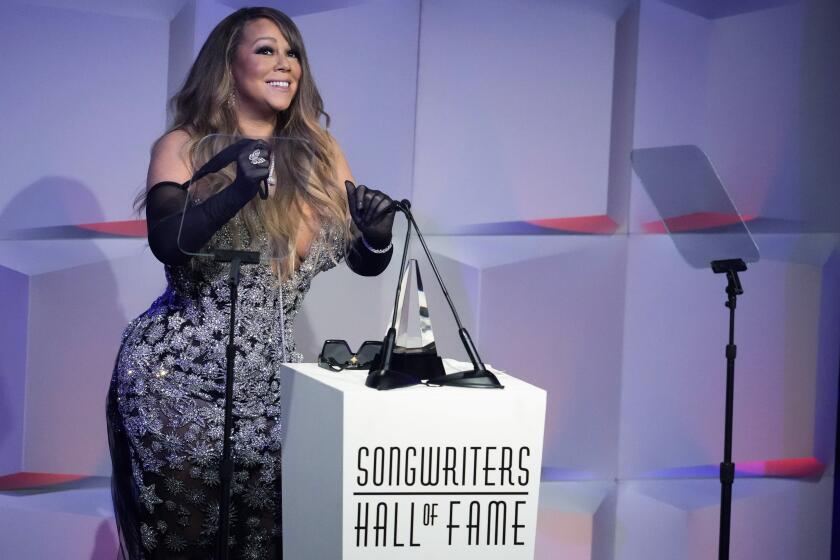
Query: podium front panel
pixel 409 473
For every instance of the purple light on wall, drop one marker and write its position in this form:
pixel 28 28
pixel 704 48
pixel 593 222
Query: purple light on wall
pixel 118 229
pixel 586 225
pixel 797 467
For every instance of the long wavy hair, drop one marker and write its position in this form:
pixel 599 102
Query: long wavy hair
pixel 304 170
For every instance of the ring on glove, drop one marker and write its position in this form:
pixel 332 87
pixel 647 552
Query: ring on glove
pixel 255 158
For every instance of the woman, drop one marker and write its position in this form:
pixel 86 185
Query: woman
pixel 165 404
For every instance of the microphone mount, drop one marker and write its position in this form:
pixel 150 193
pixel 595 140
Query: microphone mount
pixel 477 377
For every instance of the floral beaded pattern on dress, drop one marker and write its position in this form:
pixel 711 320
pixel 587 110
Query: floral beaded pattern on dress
pixel 169 388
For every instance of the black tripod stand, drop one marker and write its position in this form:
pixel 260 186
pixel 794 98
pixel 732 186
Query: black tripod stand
pixel 730 267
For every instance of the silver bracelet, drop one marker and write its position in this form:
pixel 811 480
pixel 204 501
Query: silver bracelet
pixel 373 249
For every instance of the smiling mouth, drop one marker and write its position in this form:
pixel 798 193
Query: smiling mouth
pixel 277 84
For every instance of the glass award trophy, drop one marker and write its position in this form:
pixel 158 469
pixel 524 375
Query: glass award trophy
pixel 414 350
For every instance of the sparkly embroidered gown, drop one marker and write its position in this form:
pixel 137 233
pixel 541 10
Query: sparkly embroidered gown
pixel 165 407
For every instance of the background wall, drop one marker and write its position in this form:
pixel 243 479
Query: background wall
pixel 509 125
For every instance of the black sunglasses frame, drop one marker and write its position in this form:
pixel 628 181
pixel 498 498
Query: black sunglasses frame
pixel 352 363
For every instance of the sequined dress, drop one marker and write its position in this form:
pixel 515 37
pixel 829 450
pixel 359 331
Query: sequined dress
pixel 165 407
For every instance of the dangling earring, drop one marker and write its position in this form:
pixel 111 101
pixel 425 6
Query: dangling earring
pixel 231 99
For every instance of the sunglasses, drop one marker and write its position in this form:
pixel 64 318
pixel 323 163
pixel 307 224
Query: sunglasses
pixel 336 355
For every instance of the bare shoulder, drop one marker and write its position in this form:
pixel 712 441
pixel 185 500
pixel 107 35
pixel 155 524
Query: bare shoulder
pixel 170 160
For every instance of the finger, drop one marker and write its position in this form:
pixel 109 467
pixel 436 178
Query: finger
pixel 385 206
pixel 256 145
pixel 265 153
pixel 371 205
pixel 255 156
pixel 261 167
pixel 381 218
pixel 241 144
pixel 351 200
pixel 361 192
pixel 261 159
pixel 236 152
pixel 351 189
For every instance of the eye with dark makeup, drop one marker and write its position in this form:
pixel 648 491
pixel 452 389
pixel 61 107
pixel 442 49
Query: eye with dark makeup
pixel 269 51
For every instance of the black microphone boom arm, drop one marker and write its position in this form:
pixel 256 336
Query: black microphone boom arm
pixel 479 376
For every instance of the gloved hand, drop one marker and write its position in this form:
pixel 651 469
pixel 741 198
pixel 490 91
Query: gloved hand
pixel 252 166
pixel 372 212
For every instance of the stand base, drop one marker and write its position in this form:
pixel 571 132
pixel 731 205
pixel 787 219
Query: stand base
pixel 390 379
pixel 421 362
pixel 470 378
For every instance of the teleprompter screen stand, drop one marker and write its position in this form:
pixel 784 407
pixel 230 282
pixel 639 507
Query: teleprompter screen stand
pixel 707 230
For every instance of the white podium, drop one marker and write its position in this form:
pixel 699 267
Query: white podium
pixel 421 472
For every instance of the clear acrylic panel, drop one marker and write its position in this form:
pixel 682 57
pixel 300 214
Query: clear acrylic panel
pixel 290 163
pixel 693 205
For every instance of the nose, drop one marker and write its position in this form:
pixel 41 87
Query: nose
pixel 282 63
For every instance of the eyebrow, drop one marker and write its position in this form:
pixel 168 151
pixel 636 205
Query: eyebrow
pixel 264 38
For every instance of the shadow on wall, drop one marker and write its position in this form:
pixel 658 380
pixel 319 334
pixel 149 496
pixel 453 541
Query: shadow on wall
pixel 819 90
pixel 8 408
pixel 51 201
pixel 75 314
pixel 825 408
pixel 13 290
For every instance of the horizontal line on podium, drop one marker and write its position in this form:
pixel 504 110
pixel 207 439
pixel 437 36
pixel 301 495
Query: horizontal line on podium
pixel 440 493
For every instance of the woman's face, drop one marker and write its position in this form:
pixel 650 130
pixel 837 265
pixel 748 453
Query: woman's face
pixel 266 70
